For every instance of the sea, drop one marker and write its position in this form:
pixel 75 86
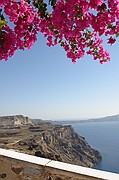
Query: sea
pixel 104 137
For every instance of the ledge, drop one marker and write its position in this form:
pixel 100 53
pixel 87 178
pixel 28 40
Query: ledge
pixel 54 169
pixel 84 170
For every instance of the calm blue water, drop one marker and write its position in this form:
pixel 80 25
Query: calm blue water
pixel 103 136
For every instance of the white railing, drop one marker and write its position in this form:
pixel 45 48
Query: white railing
pixel 19 166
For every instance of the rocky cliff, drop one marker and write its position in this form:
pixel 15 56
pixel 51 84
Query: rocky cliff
pixel 55 142
pixel 17 120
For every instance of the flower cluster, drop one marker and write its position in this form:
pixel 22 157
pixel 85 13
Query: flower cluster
pixel 77 25
pixel 23 30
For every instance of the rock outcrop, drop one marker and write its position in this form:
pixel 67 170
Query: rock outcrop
pixel 17 120
pixel 51 141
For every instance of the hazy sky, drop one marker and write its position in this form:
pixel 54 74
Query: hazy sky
pixel 44 83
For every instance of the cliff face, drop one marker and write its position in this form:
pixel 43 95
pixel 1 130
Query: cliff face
pixel 64 144
pixel 55 142
pixel 17 120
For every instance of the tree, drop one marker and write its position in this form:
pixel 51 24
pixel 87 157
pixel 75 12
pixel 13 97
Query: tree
pixel 77 25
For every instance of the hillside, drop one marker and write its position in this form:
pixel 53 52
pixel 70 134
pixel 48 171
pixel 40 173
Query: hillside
pixel 46 140
pixel 101 119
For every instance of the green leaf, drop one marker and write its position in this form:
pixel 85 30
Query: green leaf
pixel 28 1
pixel 90 43
pixel 114 27
pixel 2 23
pixel 110 26
pixel 103 6
pixel 96 53
pixel 61 43
pixel 56 31
pixel 1 38
pixel 117 34
pixel 87 30
pixel 53 3
pixel 51 28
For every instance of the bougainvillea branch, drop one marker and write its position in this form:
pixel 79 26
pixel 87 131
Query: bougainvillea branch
pixel 77 25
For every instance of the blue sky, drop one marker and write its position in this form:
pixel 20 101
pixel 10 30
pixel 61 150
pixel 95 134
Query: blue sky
pixel 44 83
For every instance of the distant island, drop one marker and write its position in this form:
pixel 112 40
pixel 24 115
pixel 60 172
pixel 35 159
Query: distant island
pixel 102 119
pixel 44 139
